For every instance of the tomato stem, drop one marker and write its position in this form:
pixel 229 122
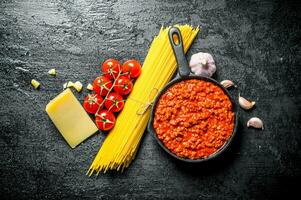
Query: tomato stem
pixel 109 91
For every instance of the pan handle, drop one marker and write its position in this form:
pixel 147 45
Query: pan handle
pixel 178 50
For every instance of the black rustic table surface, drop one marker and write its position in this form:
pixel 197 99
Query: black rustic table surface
pixel 255 43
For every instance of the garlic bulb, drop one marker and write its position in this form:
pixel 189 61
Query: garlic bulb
pixel 255 122
pixel 245 104
pixel 202 64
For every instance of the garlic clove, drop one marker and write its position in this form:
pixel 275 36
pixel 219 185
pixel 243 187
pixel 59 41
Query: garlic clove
pixel 195 69
pixel 211 68
pixel 195 60
pixel 198 71
pixel 255 122
pixel 227 83
pixel 245 104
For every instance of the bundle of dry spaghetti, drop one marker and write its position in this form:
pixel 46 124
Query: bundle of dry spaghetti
pixel 121 144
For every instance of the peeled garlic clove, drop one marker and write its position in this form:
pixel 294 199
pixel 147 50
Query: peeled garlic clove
pixel 245 104
pixel 227 83
pixel 255 122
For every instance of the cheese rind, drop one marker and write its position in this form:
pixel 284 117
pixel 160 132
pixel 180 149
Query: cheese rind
pixel 70 118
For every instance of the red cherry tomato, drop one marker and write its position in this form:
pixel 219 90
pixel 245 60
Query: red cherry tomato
pixel 92 102
pixel 123 85
pixel 102 85
pixel 114 102
pixel 105 120
pixel 132 67
pixel 111 68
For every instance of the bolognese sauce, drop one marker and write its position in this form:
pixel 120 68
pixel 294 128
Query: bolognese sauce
pixel 194 118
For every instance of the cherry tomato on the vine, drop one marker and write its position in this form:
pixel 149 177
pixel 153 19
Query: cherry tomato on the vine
pixel 111 68
pixel 102 85
pixel 123 85
pixel 132 67
pixel 114 102
pixel 92 102
pixel 105 120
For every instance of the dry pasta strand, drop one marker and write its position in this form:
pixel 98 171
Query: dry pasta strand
pixel 122 143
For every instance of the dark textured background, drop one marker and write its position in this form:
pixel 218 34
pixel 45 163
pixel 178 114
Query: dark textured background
pixel 255 43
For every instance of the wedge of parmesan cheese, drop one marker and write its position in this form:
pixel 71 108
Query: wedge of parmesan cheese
pixel 70 118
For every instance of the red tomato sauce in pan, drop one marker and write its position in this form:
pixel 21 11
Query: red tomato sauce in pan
pixel 194 118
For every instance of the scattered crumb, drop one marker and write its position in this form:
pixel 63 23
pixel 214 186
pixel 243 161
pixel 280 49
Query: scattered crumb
pixel 89 86
pixel 52 72
pixel 78 86
pixel 68 84
pixel 35 84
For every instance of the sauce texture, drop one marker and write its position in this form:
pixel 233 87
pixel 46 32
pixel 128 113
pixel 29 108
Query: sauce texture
pixel 194 118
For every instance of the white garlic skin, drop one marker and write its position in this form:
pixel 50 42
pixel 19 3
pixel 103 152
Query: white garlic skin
pixel 245 104
pixel 202 64
pixel 255 122
pixel 227 83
